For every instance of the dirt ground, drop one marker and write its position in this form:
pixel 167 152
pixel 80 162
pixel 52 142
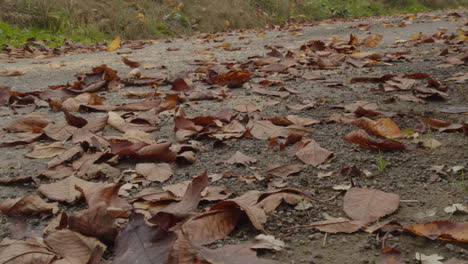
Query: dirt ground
pixel 424 193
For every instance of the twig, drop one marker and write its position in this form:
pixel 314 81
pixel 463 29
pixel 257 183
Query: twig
pixel 314 225
pixel 409 201
pixel 384 238
pixel 325 239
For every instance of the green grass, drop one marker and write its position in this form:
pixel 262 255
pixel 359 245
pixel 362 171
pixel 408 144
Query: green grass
pixel 90 20
pixel 14 35
pixel 382 165
pixel 461 183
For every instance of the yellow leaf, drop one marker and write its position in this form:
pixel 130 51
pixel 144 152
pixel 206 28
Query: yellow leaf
pixel 261 35
pixel 141 17
pixel 114 45
pixel 373 40
pixel 227 23
pixel 463 34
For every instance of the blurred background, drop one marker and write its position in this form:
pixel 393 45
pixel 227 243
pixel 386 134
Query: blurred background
pixel 92 21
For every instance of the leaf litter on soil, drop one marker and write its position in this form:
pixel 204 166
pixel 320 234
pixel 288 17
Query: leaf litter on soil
pixel 178 222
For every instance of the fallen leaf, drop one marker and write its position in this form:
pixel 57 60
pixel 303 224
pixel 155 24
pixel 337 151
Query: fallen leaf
pixel 95 221
pixel 107 193
pixel 285 170
pixel 240 158
pixel 139 242
pixel 130 63
pixel 72 245
pixel 313 154
pixel 381 79
pixel 389 256
pixel 64 190
pixel 232 79
pixel 361 138
pixel 247 108
pixel 32 250
pixel 430 259
pixel 373 40
pixel 268 242
pixel 31 204
pixel 211 226
pixel 368 205
pixel 443 230
pixel 48 151
pixel 384 127
pixel 154 172
pixel 32 122
pixel 115 44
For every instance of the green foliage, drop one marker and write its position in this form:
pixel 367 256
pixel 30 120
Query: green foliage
pixel 146 19
pixel 14 35
pixel 382 164
pixel 462 183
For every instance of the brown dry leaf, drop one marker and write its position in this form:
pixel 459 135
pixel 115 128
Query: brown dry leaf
pixel 240 158
pixel 211 226
pixel 384 127
pixel 265 129
pixel 285 170
pixel 300 107
pixel 95 222
pixel 72 245
pixel 140 150
pixel 154 172
pixel 166 218
pixel 117 122
pixel 419 75
pixel 441 125
pixel 381 79
pixel 130 63
pixel 32 122
pixel 268 201
pixel 389 256
pixel 352 108
pixel 9 73
pixel 361 138
pixel 301 121
pixel 59 131
pixel 32 250
pixel 31 204
pixel 74 120
pixel 373 40
pixel 256 215
pixel 73 104
pixel 268 242
pixel 181 85
pixel 140 242
pixel 108 194
pixel 48 151
pixel 247 108
pixel 368 205
pixel 64 190
pixel 186 157
pixel 443 230
pixel 313 154
pixel 232 79
pixel 58 172
pixel 68 155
